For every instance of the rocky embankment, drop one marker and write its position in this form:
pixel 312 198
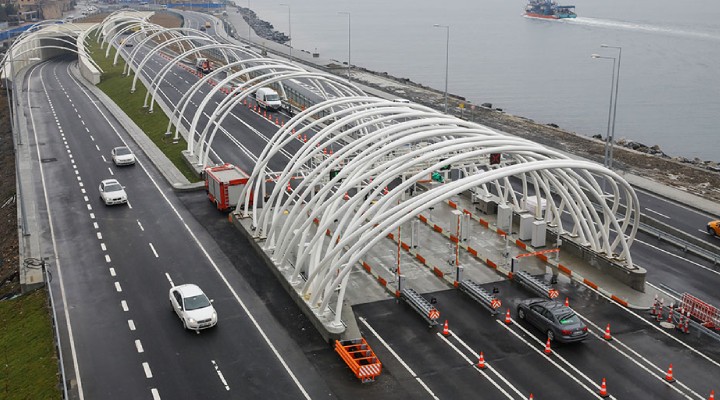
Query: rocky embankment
pixel 262 28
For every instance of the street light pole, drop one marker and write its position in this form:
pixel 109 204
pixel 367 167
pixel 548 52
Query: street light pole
pixel 289 30
pixel 447 61
pixel 607 160
pixel 617 84
pixel 349 42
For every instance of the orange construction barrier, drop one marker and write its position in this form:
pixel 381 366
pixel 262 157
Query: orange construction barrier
pixel 358 355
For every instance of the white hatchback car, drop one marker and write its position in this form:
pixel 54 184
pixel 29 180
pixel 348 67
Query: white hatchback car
pixel 112 192
pixel 123 156
pixel 193 307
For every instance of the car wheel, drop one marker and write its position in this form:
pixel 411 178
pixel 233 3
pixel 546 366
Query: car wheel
pixel 184 323
pixel 711 231
pixel 521 313
pixel 551 335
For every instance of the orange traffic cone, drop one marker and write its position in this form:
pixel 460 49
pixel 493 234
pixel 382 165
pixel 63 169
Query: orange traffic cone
pixel 712 395
pixel 603 389
pixel 277 121
pixel 669 375
pixel 607 333
pixel 547 347
pixel 346 197
pixel 446 331
pixel 385 191
pixel 481 361
pixel 531 397
pixel 508 321
pixel 567 302
pixel 289 187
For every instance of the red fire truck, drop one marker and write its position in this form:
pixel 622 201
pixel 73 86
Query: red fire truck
pixel 223 185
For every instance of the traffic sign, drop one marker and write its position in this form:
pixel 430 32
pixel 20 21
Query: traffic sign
pixel 434 313
pixel 495 303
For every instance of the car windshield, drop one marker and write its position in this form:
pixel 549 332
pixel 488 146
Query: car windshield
pixel 196 302
pixel 569 319
pixel 113 187
pixel 273 97
pixel 122 151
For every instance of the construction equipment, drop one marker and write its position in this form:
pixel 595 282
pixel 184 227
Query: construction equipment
pixel 358 355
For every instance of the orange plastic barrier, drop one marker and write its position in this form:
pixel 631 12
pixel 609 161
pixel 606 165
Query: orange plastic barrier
pixel 358 355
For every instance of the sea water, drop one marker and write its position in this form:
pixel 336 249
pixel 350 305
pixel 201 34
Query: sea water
pixel 669 80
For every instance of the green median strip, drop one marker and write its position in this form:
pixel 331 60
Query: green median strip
pixel 117 87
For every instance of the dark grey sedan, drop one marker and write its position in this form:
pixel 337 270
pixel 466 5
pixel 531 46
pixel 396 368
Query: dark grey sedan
pixel 559 322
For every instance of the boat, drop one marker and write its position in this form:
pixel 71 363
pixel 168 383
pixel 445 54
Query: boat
pixel 549 9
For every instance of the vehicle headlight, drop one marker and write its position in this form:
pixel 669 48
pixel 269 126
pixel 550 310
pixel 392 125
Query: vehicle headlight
pixel 214 315
pixel 192 321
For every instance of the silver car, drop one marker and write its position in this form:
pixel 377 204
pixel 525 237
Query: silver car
pixel 560 323
pixel 122 156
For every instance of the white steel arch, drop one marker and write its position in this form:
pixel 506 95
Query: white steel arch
pixel 389 149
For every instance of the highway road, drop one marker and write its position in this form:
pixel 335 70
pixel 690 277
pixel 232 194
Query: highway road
pixel 113 267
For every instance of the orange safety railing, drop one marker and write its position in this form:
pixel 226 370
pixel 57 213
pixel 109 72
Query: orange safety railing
pixel 708 315
pixel 358 355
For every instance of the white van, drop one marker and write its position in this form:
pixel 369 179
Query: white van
pixel 268 99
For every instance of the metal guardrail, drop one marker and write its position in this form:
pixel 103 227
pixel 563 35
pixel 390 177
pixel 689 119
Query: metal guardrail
pixel 535 284
pixel 480 295
pixel 683 244
pixel 421 305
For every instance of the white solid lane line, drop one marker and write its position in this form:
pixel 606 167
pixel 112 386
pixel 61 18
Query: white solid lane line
pixel 469 361
pixel 489 367
pixel 397 357
pixel 551 359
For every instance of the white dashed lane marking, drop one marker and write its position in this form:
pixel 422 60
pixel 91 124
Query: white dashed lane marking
pixel 112 271
pixel 153 250
pixel 148 373
pixel 139 346
pixel 131 325
pixel 124 306
pixel 169 279
pixel 103 247
pixel 220 374
pixel 155 394
pixel 99 235
pixel 107 258
pixel 117 287
pixel 97 147
pixel 110 169
pixel 140 225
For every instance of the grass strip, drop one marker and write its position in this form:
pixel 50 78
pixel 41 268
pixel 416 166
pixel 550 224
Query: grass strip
pixel 29 365
pixel 117 87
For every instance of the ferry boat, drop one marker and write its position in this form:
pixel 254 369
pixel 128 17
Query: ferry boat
pixel 548 9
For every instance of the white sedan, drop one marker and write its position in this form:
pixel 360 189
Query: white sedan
pixel 123 156
pixel 112 192
pixel 193 307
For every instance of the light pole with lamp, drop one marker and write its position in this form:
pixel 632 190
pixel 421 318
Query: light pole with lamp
pixel 447 61
pixel 289 30
pixel 617 85
pixel 349 42
pixel 607 160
